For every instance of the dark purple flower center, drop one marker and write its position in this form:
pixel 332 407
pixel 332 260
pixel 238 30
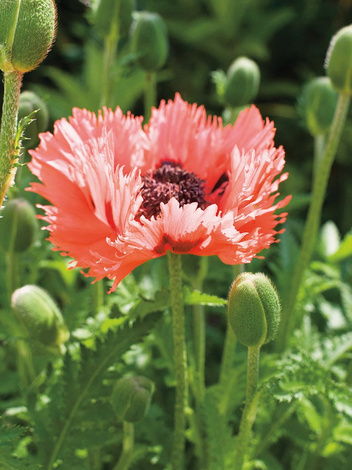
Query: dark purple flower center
pixel 167 181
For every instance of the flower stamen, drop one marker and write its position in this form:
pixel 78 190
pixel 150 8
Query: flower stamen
pixel 167 181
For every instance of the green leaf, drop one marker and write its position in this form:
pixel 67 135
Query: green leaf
pixel 220 443
pixel 196 297
pixel 9 440
pixel 75 387
pixel 344 251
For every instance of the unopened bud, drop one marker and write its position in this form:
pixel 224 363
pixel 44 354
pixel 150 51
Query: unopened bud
pixel 40 316
pixel 339 61
pixel 30 102
pixel 149 41
pixel 112 15
pixel 27 30
pixel 18 225
pixel 243 78
pixel 253 309
pixel 131 398
pixel 317 105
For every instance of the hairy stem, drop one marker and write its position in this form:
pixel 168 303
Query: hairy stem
pixel 180 357
pixel 199 359
pixel 228 354
pixel 250 408
pixel 127 447
pixel 12 88
pixel 149 94
pixel 313 219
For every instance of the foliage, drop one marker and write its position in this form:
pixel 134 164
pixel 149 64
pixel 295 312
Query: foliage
pixel 55 408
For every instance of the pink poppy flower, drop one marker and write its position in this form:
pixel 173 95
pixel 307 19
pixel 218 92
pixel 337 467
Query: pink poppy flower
pixel 122 195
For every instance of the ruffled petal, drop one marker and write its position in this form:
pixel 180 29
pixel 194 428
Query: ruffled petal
pixel 182 230
pixel 93 199
pixel 251 193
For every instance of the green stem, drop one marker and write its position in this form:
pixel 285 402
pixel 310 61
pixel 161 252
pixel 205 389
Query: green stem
pixel 180 357
pixel 250 409
pixel 313 219
pixel 12 89
pixel 125 459
pixel 319 147
pixel 228 355
pixel 110 50
pixel 199 359
pixel 149 94
pixel 199 330
pixel 94 458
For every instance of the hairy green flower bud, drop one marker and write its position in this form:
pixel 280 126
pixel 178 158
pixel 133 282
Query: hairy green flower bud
pixel 253 309
pixel 18 225
pixel 27 30
pixel 30 102
pixel 40 316
pixel 339 61
pixel 317 105
pixel 131 398
pixel 112 15
pixel 149 41
pixel 243 78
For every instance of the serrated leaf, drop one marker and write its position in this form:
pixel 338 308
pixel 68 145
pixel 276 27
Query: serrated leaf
pixel 220 443
pixel 196 297
pixel 77 381
pixel 9 439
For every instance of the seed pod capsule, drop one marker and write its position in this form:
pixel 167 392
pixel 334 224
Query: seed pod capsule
pixel 253 309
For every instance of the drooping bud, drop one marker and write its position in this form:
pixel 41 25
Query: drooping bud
pixel 149 41
pixel 18 225
pixel 40 316
pixel 111 16
pixel 253 309
pixel 30 102
pixel 317 105
pixel 339 61
pixel 131 398
pixel 27 30
pixel 243 78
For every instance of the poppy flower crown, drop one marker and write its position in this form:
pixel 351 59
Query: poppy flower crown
pixel 122 194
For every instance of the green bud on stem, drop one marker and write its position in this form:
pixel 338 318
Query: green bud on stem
pixel 110 15
pixel 253 309
pixel 317 105
pixel 339 61
pixel 40 316
pixel 131 398
pixel 243 79
pixel 18 225
pixel 27 31
pixel 149 41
